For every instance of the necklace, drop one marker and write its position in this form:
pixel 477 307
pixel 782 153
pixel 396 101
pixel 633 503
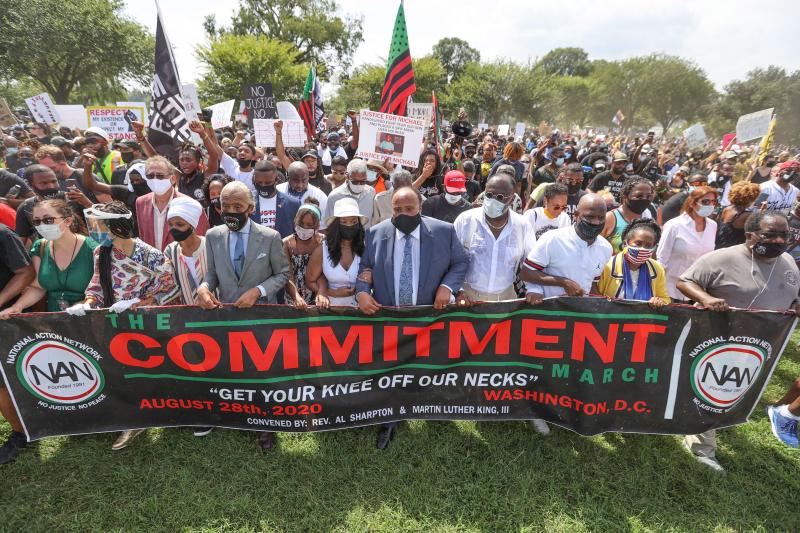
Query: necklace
pixel 503 225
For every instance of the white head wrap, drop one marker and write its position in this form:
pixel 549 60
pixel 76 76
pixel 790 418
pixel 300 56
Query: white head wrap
pixel 139 169
pixel 186 208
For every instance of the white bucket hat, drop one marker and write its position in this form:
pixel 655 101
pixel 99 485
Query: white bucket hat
pixel 346 207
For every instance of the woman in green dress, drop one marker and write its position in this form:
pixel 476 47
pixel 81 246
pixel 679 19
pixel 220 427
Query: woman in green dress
pixel 63 258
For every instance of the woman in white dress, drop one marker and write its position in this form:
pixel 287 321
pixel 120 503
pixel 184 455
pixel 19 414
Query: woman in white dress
pixel 333 267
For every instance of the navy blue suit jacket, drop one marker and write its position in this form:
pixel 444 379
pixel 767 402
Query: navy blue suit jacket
pixel 442 258
pixel 286 208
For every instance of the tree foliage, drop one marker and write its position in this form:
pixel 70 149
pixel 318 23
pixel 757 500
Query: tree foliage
pixel 71 47
pixel 232 61
pixel 566 62
pixel 454 54
pixel 311 26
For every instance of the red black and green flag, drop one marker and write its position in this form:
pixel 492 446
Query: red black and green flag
pixel 437 125
pixel 399 83
pixel 311 108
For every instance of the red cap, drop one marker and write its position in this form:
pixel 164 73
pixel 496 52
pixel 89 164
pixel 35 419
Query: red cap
pixel 792 163
pixel 455 181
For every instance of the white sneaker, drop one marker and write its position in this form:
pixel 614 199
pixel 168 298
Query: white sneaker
pixel 202 432
pixel 710 462
pixel 541 427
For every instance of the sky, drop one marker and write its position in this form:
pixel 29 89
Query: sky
pixel 726 39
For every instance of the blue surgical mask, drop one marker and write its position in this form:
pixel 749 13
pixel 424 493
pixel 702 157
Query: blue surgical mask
pixel 103 238
pixel 567 155
pixel 559 161
pixel 11 151
pixel 372 176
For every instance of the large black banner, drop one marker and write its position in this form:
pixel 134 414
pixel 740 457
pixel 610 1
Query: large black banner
pixel 586 364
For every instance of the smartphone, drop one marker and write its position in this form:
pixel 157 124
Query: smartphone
pixel 13 192
pixel 71 182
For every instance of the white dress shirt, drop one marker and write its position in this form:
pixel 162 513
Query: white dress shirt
pixel 493 261
pixel 560 252
pixel 680 246
pixel 160 219
pixel 399 248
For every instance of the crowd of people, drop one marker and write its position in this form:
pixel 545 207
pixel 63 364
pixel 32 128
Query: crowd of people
pixel 87 222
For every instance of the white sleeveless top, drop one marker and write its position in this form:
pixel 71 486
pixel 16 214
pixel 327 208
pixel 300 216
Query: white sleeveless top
pixel 338 277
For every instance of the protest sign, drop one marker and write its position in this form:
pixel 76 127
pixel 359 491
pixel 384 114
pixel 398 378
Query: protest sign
pixel 753 125
pixel 117 121
pixel 42 109
pixel 221 114
pixel 286 111
pixel 259 102
pixel 293 133
pixel 519 130
pixel 7 118
pixel 695 136
pixel 392 137
pixel 72 116
pixel 192 105
pixel 483 126
pixel 421 111
pixel 502 129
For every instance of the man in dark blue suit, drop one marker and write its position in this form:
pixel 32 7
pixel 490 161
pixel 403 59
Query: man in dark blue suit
pixel 274 209
pixel 409 260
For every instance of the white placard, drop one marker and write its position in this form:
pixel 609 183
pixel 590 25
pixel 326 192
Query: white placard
pixel 293 132
pixel 421 111
pixel 502 129
pixel 286 111
pixel 519 130
pixel 483 126
pixel 695 136
pixel 72 116
pixel 753 125
pixel 115 120
pixel 221 114
pixel 192 105
pixel 392 137
pixel 42 109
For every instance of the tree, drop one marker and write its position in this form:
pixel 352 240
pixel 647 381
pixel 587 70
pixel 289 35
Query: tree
pixel 566 62
pixel 87 46
pixel 232 61
pixel 573 97
pixel 454 54
pixel 311 26
pixel 618 85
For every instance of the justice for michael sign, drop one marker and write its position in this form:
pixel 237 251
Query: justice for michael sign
pixel 587 364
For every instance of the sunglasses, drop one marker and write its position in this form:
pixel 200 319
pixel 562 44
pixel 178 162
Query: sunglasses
pixel 91 140
pixel 499 197
pixel 154 176
pixel 45 220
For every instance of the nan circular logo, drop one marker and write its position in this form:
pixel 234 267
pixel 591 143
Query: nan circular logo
pixel 58 373
pixel 723 373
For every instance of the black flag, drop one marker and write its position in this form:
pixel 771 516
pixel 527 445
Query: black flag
pixel 168 127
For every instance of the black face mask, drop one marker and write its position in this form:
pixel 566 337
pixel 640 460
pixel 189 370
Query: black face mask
pixel 638 206
pixel 25 162
pixel 127 157
pixel 407 223
pixel 266 191
pixel 215 203
pixel 588 231
pixel 349 233
pixel 48 193
pixel 769 249
pixel 572 190
pixel 234 221
pixel 180 236
pixel 140 189
pixel 243 163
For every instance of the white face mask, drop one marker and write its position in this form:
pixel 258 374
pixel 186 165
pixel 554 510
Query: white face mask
pixel 304 233
pixel 51 232
pixel 494 208
pixel 452 199
pixel 705 210
pixel 356 188
pixel 159 187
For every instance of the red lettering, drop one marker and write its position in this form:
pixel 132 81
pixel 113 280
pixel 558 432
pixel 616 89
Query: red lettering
pixel 390 334
pixel 586 331
pixel 423 335
pixel 120 350
pixel 340 352
pixel 241 341
pixel 500 332
pixel 211 351
pixel 530 338
pixel 640 335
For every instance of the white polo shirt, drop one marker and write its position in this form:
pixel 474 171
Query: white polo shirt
pixel 493 261
pixel 560 252
pixel 314 192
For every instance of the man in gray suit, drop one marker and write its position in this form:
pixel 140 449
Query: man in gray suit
pixel 409 260
pixel 245 263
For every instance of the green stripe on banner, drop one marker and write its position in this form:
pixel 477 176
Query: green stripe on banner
pixel 464 314
pixel 332 374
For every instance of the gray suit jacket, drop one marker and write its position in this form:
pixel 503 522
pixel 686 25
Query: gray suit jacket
pixel 265 264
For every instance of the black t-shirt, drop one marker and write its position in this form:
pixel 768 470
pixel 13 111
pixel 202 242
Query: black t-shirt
pixel 192 186
pixel 572 203
pixel 605 180
pixel 431 186
pixel 13 255
pixel 321 184
pixel 758 179
pixel 473 189
pixel 438 208
pixel 8 180
pixel 672 207
pixel 544 174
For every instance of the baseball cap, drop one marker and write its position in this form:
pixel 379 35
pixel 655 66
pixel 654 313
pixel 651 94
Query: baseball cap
pixel 94 131
pixel 789 165
pixel 310 153
pixel 620 156
pixel 333 135
pixel 58 141
pixel 130 143
pixel 455 182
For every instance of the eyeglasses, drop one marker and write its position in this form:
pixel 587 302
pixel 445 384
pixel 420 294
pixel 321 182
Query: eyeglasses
pixel 45 220
pixel 154 176
pixel 771 235
pixel 499 197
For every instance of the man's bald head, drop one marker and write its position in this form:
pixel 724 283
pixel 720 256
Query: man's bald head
pixel 406 201
pixel 591 208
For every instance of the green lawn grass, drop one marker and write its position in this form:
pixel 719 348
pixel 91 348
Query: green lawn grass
pixel 436 476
